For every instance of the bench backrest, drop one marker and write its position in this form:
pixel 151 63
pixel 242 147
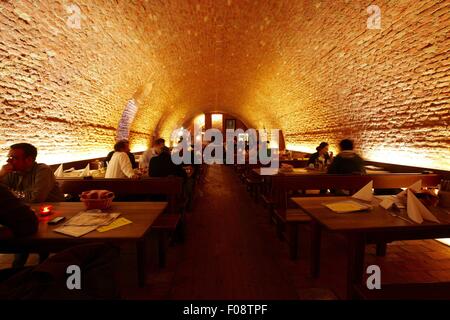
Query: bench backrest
pixel 169 186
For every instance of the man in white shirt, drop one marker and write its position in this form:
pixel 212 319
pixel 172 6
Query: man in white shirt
pixel 150 153
pixel 120 166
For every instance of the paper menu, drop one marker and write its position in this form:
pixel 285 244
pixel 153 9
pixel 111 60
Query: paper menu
pixel 115 224
pixel 92 219
pixel 75 231
pixel 347 206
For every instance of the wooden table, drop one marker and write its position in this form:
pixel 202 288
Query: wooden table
pixel 377 225
pixel 142 215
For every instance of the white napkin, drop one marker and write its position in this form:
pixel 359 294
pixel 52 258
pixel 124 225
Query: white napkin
pixel 416 210
pixel 86 172
pixel 387 203
pixel 416 187
pixel 59 172
pixel 365 193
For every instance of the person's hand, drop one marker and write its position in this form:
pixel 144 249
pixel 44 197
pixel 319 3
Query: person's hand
pixel 7 168
pixel 135 177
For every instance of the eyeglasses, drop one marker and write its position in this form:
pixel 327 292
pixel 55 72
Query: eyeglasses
pixel 14 158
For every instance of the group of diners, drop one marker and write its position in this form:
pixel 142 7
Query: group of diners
pixel 154 162
pixel 346 162
pixel 30 182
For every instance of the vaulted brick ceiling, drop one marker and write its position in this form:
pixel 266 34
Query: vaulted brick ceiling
pixel 311 68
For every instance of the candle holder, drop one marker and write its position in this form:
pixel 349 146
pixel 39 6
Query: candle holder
pixel 45 210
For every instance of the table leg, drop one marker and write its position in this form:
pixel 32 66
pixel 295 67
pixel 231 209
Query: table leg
pixel 315 248
pixel 140 254
pixel 381 249
pixel 355 263
pixel 293 239
pixel 162 248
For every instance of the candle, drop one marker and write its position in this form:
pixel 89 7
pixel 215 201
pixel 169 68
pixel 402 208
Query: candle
pixel 45 210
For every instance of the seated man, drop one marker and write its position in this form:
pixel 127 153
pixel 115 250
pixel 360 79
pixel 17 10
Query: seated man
pixel 149 154
pixel 22 174
pixel 120 166
pixel 34 181
pixel 134 165
pixel 163 166
pixel 347 161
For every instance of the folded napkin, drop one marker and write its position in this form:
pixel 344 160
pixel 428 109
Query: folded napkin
pixel 365 193
pixel 416 187
pixel 86 172
pixel 387 202
pixel 416 210
pixel 59 172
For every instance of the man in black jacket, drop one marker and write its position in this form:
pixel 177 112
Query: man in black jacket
pixel 347 161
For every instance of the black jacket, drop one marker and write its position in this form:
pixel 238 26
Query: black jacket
pixel 347 162
pixel 162 166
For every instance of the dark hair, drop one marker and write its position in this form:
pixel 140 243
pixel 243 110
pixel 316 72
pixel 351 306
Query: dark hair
pixel 28 149
pixel 346 144
pixel 321 146
pixel 120 145
pixel 160 141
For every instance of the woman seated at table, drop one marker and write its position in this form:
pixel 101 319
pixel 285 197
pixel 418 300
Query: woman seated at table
pixel 320 159
pixel 120 166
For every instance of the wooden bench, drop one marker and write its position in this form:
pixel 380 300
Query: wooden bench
pixel 288 215
pixel 167 224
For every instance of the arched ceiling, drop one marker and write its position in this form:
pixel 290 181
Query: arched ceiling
pixel 311 68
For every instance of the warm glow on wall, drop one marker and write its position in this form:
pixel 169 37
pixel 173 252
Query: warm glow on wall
pixel 199 121
pixel 216 120
pixel 410 156
pixel 139 148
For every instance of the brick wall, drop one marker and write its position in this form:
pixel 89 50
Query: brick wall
pixel 311 68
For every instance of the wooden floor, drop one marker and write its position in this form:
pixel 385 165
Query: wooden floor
pixel 231 252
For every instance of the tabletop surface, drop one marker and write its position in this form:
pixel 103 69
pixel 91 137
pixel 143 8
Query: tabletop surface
pixel 142 215
pixel 308 171
pixel 377 218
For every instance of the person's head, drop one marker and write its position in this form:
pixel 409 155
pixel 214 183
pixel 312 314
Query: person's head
pixel 22 156
pixel 159 145
pixel 122 146
pixel 346 144
pixel 322 148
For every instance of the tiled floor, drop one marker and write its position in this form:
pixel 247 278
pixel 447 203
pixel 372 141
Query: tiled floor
pixel 231 252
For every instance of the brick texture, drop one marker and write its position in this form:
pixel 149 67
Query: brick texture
pixel 311 68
